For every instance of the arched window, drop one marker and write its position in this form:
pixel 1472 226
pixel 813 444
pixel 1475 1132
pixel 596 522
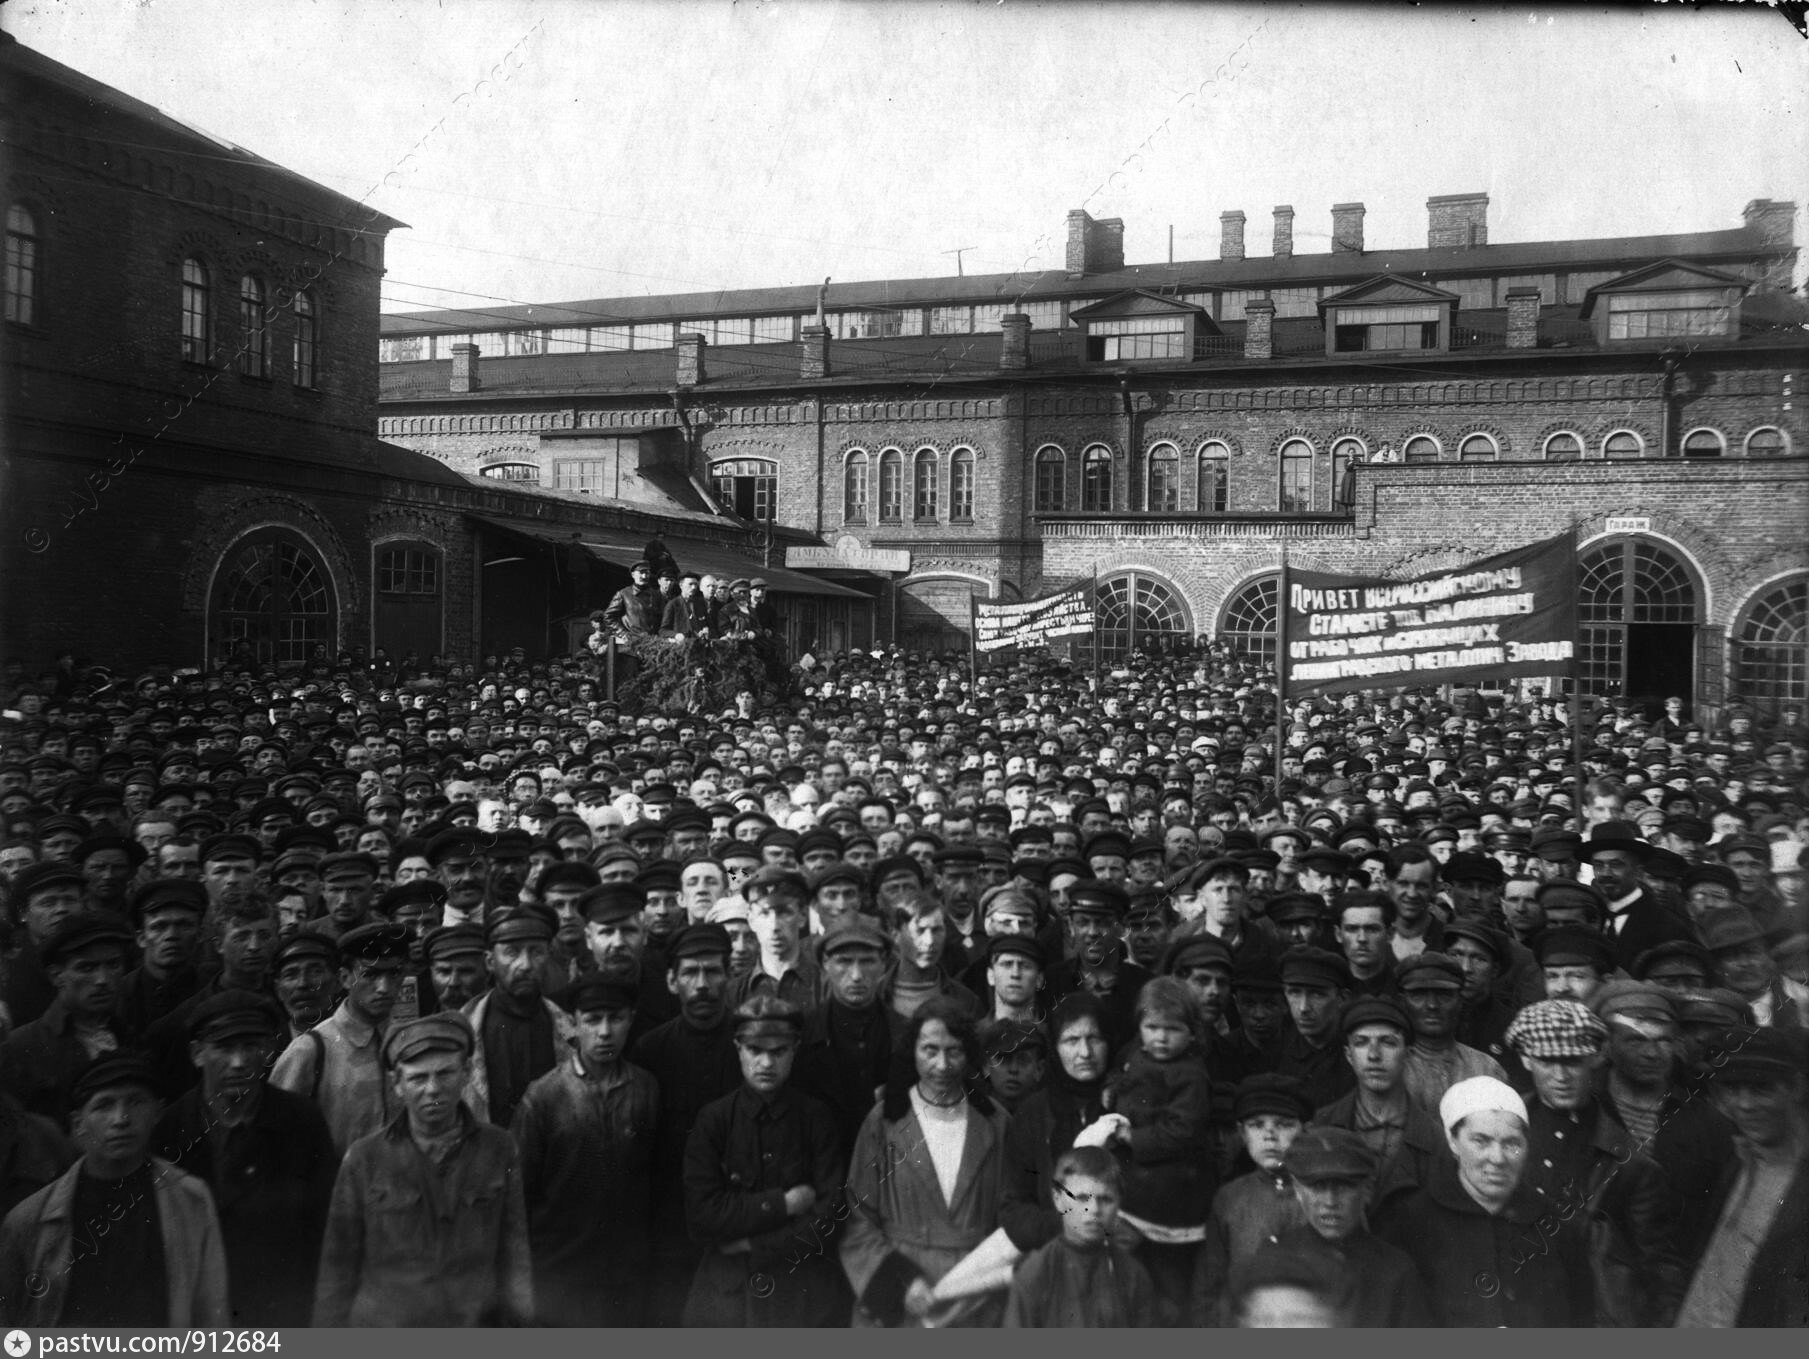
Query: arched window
pixel 1051 480
pixel 1477 448
pixel 1346 455
pixel 1420 448
pixel 511 471
pixel 961 486
pixel 1137 612
pixel 254 328
pixel 854 487
pixel 1636 603
pixel 1771 646
pixel 1564 446
pixel 1296 477
pixel 1704 443
pixel 1096 480
pixel 273 601
pixel 924 476
pixel 197 332
pixel 891 486
pixel 1623 443
pixel 307 339
pixel 1215 478
pixel 1164 479
pixel 21 265
pixel 1767 441
pixel 1249 625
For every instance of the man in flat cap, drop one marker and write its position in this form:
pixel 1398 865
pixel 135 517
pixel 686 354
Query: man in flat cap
pixel 587 1130
pixel 338 1063
pixel 1744 962
pixel 778 900
pixel 1098 961
pixel 85 960
pixel 615 932
pixel 848 1042
pixel 761 1168
pixel 42 897
pixel 456 961
pixel 1432 988
pixel 1333 1170
pixel 1315 983
pixel 266 1155
pixel 1575 961
pixel 348 885
pixel 428 1224
pixel 166 914
pixel 1590 1172
pixel 157 1261
pixel 1400 1132
pixel 520 1033
pixel 304 975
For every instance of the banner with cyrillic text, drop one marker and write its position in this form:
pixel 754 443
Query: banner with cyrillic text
pixel 997 626
pixel 1510 615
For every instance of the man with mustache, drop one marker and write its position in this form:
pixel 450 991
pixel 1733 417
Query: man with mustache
pixel 84 958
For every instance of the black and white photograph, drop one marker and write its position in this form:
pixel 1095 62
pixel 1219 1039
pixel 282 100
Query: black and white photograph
pixel 841 664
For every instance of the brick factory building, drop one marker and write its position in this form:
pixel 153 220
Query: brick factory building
pixel 1173 428
pixel 192 464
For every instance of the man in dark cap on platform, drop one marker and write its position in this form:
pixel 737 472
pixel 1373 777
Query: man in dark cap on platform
pixel 519 1032
pixel 428 1225
pixel 587 1130
pixel 266 1155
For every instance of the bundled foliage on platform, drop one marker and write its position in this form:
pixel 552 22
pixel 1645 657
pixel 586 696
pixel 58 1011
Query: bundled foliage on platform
pixel 691 674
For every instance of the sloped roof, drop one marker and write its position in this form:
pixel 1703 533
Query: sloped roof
pixel 1663 276
pixel 1133 302
pixel 1388 288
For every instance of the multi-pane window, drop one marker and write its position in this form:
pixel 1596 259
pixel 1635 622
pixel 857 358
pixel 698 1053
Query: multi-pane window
pixel 1623 444
pixel 652 335
pixel 1703 443
pixel 924 476
pixel 589 475
pixel 1564 446
pixel 1346 453
pixel 1690 311
pixel 1420 448
pixel 408 571
pixel 1294 301
pixel 21 265
pixel 1249 626
pixel 772 329
pixel 511 471
pixel 1771 647
pixel 1051 480
pixel 854 488
pixel 1766 442
pixel 307 340
pixel 891 486
pixel 1137 337
pixel 1296 477
pixel 402 349
pixel 1164 479
pixel 961 486
pixel 748 486
pixel 196 332
pixel 1477 448
pixel 254 328
pixel 1043 315
pixel 1096 480
pixel 1363 328
pixel 1215 478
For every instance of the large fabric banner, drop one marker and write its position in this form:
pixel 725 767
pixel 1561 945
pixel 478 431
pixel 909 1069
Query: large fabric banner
pixel 997 626
pixel 1514 614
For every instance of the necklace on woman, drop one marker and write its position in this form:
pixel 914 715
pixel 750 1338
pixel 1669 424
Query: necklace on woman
pixel 924 1095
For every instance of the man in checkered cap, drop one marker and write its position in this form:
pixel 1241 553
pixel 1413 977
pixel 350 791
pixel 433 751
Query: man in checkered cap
pixel 1590 1172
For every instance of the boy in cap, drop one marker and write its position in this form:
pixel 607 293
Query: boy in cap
pixel 1083 1278
pixel 428 1226
pixel 1253 1209
pixel 157 1262
pixel 586 1130
pixel 266 1154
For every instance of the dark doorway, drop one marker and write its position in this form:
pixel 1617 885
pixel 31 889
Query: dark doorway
pixel 1660 662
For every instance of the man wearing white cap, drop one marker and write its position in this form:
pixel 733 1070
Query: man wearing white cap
pixel 1472 1228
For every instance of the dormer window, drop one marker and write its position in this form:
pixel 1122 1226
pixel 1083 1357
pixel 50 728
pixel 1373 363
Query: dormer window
pixel 1672 299
pixel 1144 327
pixel 1388 314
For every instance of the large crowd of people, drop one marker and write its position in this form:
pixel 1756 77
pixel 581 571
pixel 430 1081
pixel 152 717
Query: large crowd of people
pixel 459 994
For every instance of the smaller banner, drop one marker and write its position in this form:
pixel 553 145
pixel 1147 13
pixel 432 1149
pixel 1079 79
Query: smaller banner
pixel 997 626
pixel 1513 614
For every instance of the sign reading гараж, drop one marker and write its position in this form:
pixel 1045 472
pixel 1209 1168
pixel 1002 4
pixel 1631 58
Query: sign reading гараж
pixel 997 626
pixel 1513 614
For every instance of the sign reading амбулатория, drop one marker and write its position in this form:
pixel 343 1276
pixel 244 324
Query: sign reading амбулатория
pixel 1513 614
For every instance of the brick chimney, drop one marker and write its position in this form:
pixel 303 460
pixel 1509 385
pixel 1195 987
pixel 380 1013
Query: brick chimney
pixel 1095 246
pixel 1015 352
pixel 1347 228
pixel 1284 233
pixel 1773 227
pixel 690 358
pixel 1259 329
pixel 1457 221
pixel 813 352
pixel 464 368
pixel 1523 318
pixel 1231 235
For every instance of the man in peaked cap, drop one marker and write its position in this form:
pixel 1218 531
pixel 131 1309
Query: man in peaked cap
pixel 615 932
pixel 425 1265
pixel 167 915
pixel 1432 986
pixel 266 1154
pixel 84 958
pixel 338 1063
pixel 519 1032
pixel 1100 962
pixel 43 896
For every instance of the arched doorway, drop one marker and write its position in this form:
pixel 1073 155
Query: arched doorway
pixel 1638 607
pixel 1771 647
pixel 273 601
pixel 1139 612
pixel 1249 626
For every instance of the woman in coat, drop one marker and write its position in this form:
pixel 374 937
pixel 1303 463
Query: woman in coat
pixel 926 1176
pixel 1047 1122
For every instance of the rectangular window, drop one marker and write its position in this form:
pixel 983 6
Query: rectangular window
pixel 1214 486
pixel 254 330
pixel 925 478
pixel 408 571
pixel 864 325
pixel 1232 303
pixel 1044 315
pixel 961 489
pixel 306 356
pixel 1295 301
pixel 1473 294
pixel 611 337
pixel 525 342
pixel 1296 486
pixel 775 329
pixel 195 328
pixel 652 335
pixel 590 475
pixel 951 320
pixel 568 340
pixel 731 330
pixel 402 349
pixel 1164 486
pixel 986 318
pixel 1112 348
pixel 1642 316
pixel 21 266
pixel 891 489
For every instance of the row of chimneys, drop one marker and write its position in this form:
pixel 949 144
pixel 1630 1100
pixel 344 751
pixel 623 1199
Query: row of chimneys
pixel 1455 221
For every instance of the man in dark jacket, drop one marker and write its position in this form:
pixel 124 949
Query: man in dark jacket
pixel 634 610
pixel 846 1052
pixel 85 959
pixel 266 1155
pixel 1635 920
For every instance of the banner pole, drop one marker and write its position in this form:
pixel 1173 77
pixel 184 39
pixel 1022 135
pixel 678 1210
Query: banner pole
pixel 1096 646
pixel 1281 660
pixel 973 641
pixel 1576 686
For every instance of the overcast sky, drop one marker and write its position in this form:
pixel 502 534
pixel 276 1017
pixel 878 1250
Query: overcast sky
pixel 651 146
